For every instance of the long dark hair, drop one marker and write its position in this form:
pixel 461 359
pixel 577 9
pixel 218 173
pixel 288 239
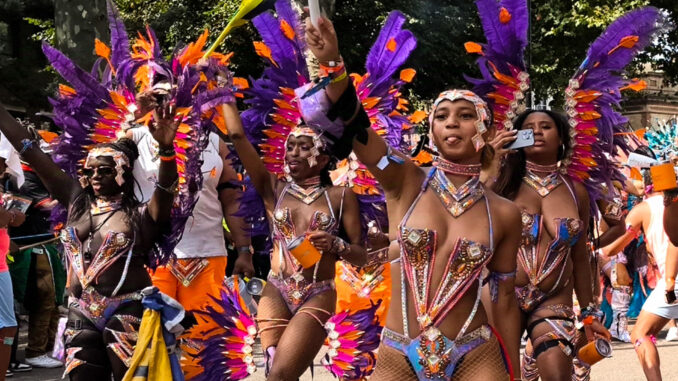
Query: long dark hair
pixel 513 169
pixel 130 203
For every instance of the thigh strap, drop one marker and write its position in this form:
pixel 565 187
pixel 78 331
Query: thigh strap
pixel 565 345
pixel 532 325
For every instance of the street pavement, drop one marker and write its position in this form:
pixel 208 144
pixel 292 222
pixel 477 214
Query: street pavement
pixel 622 366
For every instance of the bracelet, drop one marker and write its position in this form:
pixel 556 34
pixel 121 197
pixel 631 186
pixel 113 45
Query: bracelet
pixel 331 67
pixel 168 158
pixel 339 246
pixel 593 311
pixel 171 189
pixel 166 152
pixel 245 249
pixel 26 145
pixel 340 77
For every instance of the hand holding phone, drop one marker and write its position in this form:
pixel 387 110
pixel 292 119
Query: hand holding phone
pixel 524 138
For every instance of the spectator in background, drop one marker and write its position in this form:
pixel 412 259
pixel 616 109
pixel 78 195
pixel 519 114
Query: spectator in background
pixel 37 273
pixel 8 323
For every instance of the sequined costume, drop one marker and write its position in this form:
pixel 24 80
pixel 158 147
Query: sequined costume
pixel 114 318
pixel 294 288
pixel 432 355
pixel 540 266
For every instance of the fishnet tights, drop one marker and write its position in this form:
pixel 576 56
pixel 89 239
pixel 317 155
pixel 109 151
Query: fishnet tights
pixel 485 363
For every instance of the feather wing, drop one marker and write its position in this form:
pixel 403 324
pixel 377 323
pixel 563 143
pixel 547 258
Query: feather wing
pixel 504 78
pixel 594 94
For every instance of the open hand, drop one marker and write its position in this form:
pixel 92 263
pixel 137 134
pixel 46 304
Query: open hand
pixel 165 125
pixel 322 40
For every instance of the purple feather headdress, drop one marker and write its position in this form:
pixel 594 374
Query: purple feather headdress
pixel 592 99
pixel 504 75
pixel 99 109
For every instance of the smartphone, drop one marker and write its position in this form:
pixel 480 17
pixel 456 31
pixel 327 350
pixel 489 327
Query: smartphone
pixel 524 138
pixel 314 10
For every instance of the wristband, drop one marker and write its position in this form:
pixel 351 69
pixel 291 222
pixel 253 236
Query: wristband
pixel 340 247
pixel 171 189
pixel 166 152
pixel 591 311
pixel 340 77
pixel 245 249
pixel 168 158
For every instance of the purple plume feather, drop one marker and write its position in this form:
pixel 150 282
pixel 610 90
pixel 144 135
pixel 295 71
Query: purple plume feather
pixel 601 72
pixel 119 39
pixel 82 81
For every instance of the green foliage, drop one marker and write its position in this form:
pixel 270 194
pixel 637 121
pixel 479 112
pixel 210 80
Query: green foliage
pixel 46 32
pixel 560 35
pixel 178 22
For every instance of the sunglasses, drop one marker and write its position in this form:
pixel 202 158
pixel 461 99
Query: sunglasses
pixel 101 170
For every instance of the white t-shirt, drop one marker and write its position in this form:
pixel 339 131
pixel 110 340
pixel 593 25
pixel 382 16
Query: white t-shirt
pixel 655 237
pixel 203 234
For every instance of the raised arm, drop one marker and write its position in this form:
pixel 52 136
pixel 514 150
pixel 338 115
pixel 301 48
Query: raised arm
pixel 164 130
pixel 228 196
pixel 634 223
pixel 61 186
pixel 370 151
pixel 262 179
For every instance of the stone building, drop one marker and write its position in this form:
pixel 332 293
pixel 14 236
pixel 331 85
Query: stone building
pixel 659 102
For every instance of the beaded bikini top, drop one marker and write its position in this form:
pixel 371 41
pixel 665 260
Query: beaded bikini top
pixel 568 232
pixel 418 254
pixel 114 246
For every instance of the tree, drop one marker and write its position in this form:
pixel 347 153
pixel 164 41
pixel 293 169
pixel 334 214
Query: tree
pixel 560 35
pixel 77 24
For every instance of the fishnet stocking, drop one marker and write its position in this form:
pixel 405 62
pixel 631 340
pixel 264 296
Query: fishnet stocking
pixel 272 312
pixel 483 363
pixel 392 365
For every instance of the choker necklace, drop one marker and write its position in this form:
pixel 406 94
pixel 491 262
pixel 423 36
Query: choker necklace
pixel 541 168
pixel 456 200
pixel 308 191
pixel 101 206
pixel 542 185
pixel 456 169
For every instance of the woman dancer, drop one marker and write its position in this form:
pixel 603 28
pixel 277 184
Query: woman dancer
pixel 447 247
pixel 553 256
pixel 107 237
pixel 296 302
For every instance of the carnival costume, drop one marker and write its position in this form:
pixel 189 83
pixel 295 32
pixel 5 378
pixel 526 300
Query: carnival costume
pixel 272 118
pixel 96 110
pixel 590 101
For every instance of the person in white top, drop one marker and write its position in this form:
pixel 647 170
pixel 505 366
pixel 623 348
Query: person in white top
pixel 660 305
pixel 201 257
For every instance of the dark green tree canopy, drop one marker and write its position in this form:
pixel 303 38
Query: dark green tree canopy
pixel 561 31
